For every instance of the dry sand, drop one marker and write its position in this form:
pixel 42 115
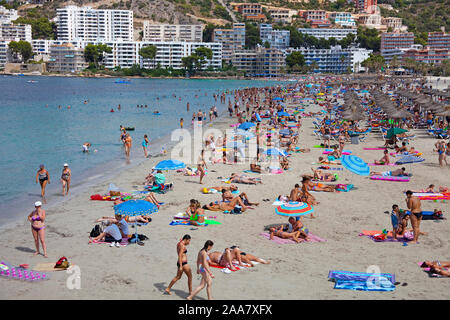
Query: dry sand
pixel 297 271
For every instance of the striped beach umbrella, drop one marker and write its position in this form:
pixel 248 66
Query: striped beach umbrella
pixel 135 208
pixel 294 209
pixel 275 152
pixel 355 165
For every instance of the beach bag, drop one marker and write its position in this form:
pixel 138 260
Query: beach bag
pixel 62 263
pixel 95 232
pixel 113 190
pixel 237 209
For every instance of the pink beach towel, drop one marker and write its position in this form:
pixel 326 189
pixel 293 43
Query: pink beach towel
pixel 278 240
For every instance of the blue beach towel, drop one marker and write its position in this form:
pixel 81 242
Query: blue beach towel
pixel 362 281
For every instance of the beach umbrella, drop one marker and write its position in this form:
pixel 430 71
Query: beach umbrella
pixel 170 165
pixel 355 165
pixel 294 209
pixel 409 159
pixel 277 99
pixel 275 152
pixel 285 132
pixel 246 125
pixel 394 131
pixel 283 114
pixel 133 208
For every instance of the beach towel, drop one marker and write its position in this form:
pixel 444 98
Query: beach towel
pixel 123 242
pixel 390 178
pixel 329 168
pixel 313 238
pixel 430 215
pixel 17 273
pixel 48 267
pixel 180 222
pixel 362 281
pixel 328 151
pixel 344 187
pixel 358 276
pixel 375 236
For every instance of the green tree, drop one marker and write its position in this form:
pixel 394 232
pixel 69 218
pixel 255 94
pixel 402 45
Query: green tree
pixel 41 28
pixel 374 63
pixel 149 52
pixel 251 36
pixel 22 48
pixel 189 63
pixel 94 53
pixel 208 32
pixel 295 61
pixel 222 12
pixel 266 44
pixel 369 38
pixel 202 53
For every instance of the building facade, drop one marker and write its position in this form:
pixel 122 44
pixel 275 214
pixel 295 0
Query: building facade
pixel 7 15
pixel 262 62
pixel 428 55
pixel 172 32
pixel 317 18
pixel 87 24
pixel 396 40
pixel 367 6
pixel 372 21
pixel 333 60
pixel 231 39
pixel 439 40
pixel 15 32
pixel 393 22
pixel 278 39
pixel 327 33
pixel 66 58
pixel 3 53
pixel 344 19
pixel 249 11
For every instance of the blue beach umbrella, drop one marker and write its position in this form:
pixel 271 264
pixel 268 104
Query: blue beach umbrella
pixel 246 125
pixel 275 152
pixel 355 165
pixel 133 208
pixel 277 99
pixel 294 209
pixel 170 165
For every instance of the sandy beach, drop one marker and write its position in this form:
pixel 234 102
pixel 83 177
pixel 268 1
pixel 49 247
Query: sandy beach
pixel 297 271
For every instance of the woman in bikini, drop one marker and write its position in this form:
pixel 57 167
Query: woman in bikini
pixel 37 218
pixel 195 213
pixel 127 143
pixel 65 179
pixel 225 258
pixel 182 264
pixel 201 165
pixel 441 149
pixel 385 160
pixel 284 235
pixel 43 176
pixel 226 206
pixel 203 269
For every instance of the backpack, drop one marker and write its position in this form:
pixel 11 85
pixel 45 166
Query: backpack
pixel 95 232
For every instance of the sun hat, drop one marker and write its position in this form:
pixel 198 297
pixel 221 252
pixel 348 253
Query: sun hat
pixel 38 204
pixel 66 165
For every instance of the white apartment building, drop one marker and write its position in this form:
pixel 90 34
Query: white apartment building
pixel 125 54
pixel 7 15
pixel 172 32
pixel 327 33
pixel 344 19
pixel 87 24
pixel 3 53
pixel 15 32
pixel 278 39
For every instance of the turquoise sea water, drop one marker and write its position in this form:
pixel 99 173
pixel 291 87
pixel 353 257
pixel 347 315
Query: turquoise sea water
pixel 36 131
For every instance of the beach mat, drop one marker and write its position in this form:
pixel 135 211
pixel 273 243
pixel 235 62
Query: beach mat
pixel 278 240
pixel 8 271
pixel 390 178
pixel 186 223
pixel 48 267
pixel 348 280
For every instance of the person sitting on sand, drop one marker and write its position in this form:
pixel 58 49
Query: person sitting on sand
pixel 399 220
pixel 295 194
pixel 336 153
pixel 284 235
pixel 152 199
pixel 296 225
pixel 110 234
pixel 255 167
pixel 395 173
pixel 306 196
pixel 195 213
pixel 403 148
pixel 384 160
pixel 242 178
pixel 284 163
